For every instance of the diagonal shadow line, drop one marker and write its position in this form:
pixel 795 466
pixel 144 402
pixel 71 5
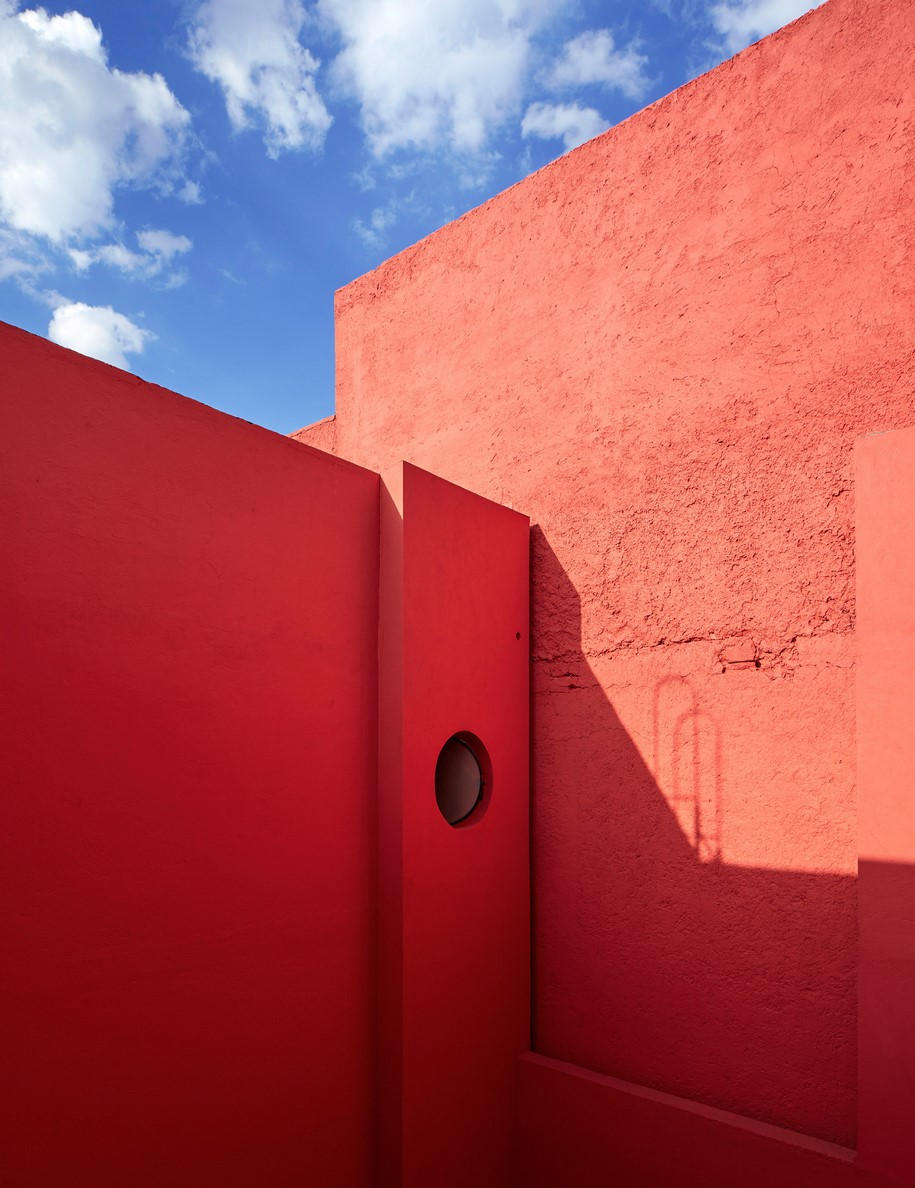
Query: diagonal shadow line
pixel 654 960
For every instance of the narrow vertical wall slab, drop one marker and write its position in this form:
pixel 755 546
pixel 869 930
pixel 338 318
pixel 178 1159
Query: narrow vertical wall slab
pixel 885 493
pixel 454 959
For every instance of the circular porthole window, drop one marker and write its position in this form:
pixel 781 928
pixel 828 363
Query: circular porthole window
pixel 462 779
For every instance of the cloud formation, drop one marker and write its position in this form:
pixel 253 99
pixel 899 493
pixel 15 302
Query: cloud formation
pixel 570 122
pixel 440 79
pixel 72 129
pixel 741 21
pixel 436 75
pixel 254 53
pixel 98 331
pixel 592 58
pixel 157 249
pixel 373 230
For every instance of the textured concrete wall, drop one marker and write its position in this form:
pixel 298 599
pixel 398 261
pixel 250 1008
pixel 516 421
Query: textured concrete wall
pixel 189 608
pixel 661 347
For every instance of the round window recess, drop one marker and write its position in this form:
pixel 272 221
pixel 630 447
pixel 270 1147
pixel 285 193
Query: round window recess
pixel 462 779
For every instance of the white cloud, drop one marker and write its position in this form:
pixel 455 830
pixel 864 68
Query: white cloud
pixel 435 75
pixel 569 121
pixel 741 21
pixel 81 258
pixel 157 250
pixel 190 193
pixel 72 129
pixel 254 52
pixel 373 230
pixel 592 58
pixel 119 256
pixel 20 256
pixel 98 331
pixel 163 244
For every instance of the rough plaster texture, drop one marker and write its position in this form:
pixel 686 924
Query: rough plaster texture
pixel 662 347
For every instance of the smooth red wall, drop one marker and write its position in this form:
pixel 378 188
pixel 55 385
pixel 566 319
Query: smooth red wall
pixel 453 901
pixel 189 753
pixel 661 347
pixel 465 1008
pixel 885 477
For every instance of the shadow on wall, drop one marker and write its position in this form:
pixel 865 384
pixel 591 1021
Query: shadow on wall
pixel 729 985
pixel 686 754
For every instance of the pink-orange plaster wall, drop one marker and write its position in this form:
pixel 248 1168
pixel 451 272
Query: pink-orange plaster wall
pixel 661 348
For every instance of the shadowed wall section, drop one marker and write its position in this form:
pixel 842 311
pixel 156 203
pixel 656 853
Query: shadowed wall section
pixel 662 347
pixel 584 1129
pixel 189 608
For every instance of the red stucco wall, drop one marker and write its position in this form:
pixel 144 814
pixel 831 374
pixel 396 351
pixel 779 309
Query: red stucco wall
pixel 189 612
pixel 662 347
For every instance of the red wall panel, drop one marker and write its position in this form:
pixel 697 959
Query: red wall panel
pixel 662 347
pixel 454 902
pixel 885 478
pixel 189 696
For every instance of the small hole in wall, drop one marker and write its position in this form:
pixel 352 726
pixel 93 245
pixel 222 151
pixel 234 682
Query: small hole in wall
pixel 462 779
pixel 517 635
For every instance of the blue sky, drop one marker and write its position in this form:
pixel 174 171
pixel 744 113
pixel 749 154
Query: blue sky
pixel 184 184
